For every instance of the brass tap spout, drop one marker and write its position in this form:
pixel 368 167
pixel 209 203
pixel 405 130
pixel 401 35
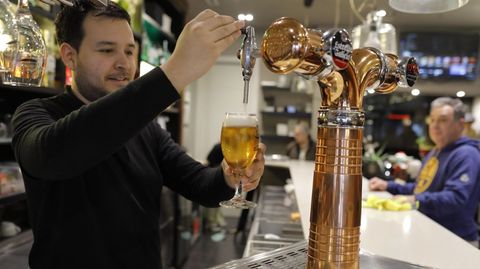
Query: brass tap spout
pixel 368 68
pixel 288 46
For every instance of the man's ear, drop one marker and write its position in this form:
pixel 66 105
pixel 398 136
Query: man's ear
pixel 69 55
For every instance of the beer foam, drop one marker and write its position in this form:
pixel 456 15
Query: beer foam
pixel 241 120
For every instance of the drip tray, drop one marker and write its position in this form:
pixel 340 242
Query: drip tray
pixel 295 257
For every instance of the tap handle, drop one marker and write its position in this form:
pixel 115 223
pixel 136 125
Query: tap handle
pixel 407 72
pixel 247 55
pixel 337 48
pixel 248 52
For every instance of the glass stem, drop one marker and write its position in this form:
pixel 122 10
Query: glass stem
pixel 238 190
pixel 238 187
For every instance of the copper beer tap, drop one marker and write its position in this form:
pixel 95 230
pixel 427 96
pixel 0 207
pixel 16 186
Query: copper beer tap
pixel 337 188
pixel 343 75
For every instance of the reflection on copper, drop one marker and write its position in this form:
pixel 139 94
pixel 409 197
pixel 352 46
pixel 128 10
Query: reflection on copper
pixel 288 46
pixel 334 239
pixel 334 83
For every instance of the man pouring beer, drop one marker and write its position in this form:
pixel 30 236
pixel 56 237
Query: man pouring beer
pixel 93 159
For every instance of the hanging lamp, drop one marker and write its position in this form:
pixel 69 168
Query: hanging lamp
pixel 374 33
pixel 426 6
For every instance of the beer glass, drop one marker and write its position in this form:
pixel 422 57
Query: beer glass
pixel 239 142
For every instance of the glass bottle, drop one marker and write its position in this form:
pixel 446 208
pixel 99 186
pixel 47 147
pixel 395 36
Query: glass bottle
pixel 8 36
pixel 30 57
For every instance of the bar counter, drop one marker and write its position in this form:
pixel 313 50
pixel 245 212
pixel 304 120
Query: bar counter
pixel 405 235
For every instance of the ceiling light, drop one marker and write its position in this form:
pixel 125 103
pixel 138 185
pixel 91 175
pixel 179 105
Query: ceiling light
pixel 426 6
pixel 415 92
pixel 245 17
pixel 460 94
pixel 381 13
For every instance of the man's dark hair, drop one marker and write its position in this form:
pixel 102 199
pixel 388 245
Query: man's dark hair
pixel 69 21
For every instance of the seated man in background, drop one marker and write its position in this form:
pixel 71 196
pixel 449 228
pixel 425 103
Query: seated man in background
pixel 303 148
pixel 448 186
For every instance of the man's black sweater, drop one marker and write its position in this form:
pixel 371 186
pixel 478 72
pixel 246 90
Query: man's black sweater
pixel 94 174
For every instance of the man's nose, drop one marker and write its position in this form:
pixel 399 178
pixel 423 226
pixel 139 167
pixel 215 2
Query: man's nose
pixel 121 61
pixel 434 125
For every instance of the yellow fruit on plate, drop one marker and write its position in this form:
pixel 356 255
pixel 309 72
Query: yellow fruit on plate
pixel 392 204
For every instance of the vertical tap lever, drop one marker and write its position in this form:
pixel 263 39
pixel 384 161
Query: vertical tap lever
pixel 247 55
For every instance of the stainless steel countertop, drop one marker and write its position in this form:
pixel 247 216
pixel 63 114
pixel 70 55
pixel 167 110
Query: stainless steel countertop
pixel 295 256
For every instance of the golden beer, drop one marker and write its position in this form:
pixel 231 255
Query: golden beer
pixel 239 145
pixel 239 142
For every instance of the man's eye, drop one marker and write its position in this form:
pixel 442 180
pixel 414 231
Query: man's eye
pixel 129 53
pixel 106 50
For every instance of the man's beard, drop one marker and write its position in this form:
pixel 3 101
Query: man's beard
pixel 88 90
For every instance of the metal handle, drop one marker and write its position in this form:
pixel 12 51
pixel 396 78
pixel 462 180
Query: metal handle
pixel 247 55
pixel 248 52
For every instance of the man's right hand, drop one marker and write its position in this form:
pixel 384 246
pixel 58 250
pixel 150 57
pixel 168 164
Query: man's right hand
pixel 377 184
pixel 199 45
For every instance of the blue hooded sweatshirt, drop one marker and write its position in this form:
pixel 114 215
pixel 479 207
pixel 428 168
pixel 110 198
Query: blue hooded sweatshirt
pixel 448 187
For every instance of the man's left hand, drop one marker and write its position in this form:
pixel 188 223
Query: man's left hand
pixel 406 198
pixel 251 176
